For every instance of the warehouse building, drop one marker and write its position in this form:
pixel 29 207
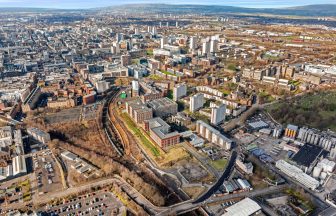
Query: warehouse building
pixel 297 174
pixel 246 207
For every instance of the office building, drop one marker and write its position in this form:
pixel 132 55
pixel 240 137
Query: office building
pixel 245 167
pixel 213 135
pixel 135 88
pixel 138 111
pixel 160 132
pixel 102 86
pixel 179 91
pixel 218 114
pixel 163 107
pixel 196 102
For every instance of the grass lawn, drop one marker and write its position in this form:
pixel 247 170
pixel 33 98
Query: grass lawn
pixel 167 72
pixel 164 159
pixel 156 77
pixel 174 155
pixel 219 164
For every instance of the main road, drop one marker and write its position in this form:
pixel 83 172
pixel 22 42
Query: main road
pixel 187 206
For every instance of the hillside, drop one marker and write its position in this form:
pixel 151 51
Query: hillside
pixel 317 110
pixel 308 10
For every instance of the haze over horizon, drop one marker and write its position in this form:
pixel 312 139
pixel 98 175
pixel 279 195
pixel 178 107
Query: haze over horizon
pixel 85 4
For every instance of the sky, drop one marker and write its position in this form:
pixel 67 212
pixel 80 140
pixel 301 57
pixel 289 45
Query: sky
pixel 79 4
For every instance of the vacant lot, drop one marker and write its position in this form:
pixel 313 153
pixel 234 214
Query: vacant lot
pixel 316 110
pixel 219 164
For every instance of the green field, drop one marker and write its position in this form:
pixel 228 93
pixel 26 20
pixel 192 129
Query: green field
pixel 317 110
pixel 219 164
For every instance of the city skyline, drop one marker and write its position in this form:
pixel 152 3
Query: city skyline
pixel 85 4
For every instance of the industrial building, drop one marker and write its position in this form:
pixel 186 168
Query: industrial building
pixel 291 131
pixel 213 135
pixel 246 207
pixel 308 155
pixel 297 174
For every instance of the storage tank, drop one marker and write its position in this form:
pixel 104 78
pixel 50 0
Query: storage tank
pixel 317 171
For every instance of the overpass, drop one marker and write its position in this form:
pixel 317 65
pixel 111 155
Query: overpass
pixel 187 206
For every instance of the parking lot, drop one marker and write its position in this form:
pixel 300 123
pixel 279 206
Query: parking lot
pixel 90 111
pixel 66 115
pixel 98 203
pixel 46 172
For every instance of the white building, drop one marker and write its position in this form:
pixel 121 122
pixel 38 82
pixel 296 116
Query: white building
pixel 206 48
pixel 19 165
pixel 39 135
pixel 246 207
pixel 213 135
pixel 102 86
pixel 6 136
pixel 297 174
pixel 214 46
pixel 179 91
pixel 193 41
pixel 164 41
pixel 196 102
pixel 218 114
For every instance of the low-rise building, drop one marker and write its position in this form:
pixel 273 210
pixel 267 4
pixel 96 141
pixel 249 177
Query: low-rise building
pixel 297 174
pixel 138 111
pixel 160 132
pixel 163 107
pixel 39 135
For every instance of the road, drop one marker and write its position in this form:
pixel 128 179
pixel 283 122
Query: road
pixel 221 180
pixel 46 198
pixel 188 206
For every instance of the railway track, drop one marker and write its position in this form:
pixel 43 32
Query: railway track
pixel 108 128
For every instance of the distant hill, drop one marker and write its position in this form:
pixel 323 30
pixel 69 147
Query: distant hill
pixel 308 10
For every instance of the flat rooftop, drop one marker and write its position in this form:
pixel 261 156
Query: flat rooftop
pixel 308 154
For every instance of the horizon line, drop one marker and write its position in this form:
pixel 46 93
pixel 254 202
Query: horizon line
pixel 194 4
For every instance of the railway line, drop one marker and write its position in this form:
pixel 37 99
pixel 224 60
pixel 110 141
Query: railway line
pixel 108 128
